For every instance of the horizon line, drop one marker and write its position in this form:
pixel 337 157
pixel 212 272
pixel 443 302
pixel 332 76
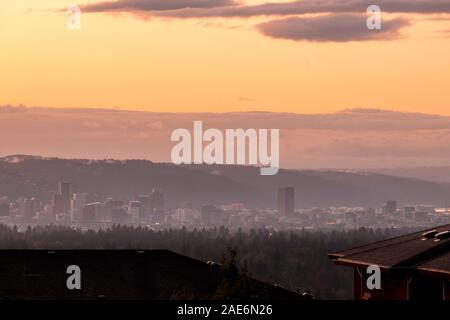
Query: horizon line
pixel 3 158
pixel 124 109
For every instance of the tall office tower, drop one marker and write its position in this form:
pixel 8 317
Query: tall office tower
pixel 79 200
pixel 211 215
pixel 118 213
pixel 114 204
pixel 65 190
pixel 390 207
pixel 146 201
pixel 286 201
pixel 408 212
pixel 57 204
pixel 135 211
pixel 158 204
pixel 90 212
pixel 30 208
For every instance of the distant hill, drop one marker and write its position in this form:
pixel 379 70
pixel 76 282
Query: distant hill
pixel 436 174
pixel 217 184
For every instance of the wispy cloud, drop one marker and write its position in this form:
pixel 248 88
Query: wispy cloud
pixel 446 33
pixel 338 20
pixel 337 28
pixel 154 5
pixel 226 8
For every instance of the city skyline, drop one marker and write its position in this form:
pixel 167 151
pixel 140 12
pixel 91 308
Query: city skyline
pixel 91 211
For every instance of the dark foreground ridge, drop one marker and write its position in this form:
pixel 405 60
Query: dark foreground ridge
pixel 126 274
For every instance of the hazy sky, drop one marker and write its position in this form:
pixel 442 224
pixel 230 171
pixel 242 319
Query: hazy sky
pixel 347 139
pixel 220 55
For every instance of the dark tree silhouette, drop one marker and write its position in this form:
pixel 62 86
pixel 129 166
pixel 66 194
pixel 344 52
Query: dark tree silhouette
pixel 293 260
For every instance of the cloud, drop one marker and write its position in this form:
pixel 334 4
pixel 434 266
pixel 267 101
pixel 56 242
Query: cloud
pixel 342 21
pixel 446 33
pixel 245 99
pixel 12 109
pixel 337 28
pixel 228 8
pixel 153 5
pixel 348 139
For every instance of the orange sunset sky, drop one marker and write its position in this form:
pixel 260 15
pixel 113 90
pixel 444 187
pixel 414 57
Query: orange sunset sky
pixel 198 57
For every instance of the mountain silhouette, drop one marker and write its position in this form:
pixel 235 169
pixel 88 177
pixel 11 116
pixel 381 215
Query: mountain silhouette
pixel 33 176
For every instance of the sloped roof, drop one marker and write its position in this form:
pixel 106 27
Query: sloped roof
pixel 410 251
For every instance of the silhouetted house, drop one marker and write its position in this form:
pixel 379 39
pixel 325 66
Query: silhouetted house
pixel 125 274
pixel 413 267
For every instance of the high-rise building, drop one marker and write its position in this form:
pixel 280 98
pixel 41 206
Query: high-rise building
pixel 158 205
pixel 286 201
pixel 408 212
pixel 57 204
pixel 79 200
pixel 65 190
pixel 30 208
pixel 114 204
pixel 390 207
pixel 118 215
pixel 135 210
pixel 117 211
pixel 146 201
pixel 211 215
pixel 91 212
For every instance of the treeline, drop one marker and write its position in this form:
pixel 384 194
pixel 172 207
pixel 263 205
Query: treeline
pixel 292 259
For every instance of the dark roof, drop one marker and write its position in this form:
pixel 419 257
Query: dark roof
pixel 410 251
pixel 122 274
pixel 438 264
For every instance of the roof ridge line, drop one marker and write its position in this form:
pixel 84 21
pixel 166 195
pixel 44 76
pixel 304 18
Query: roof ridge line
pixel 390 239
pixel 424 255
